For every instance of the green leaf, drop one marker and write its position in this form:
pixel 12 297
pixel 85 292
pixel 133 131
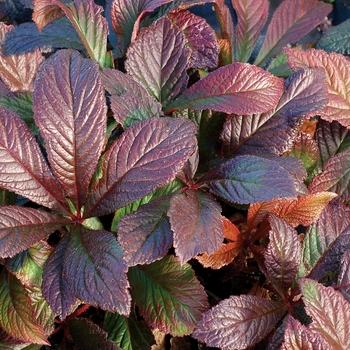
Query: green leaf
pixel 168 295
pixel 22 104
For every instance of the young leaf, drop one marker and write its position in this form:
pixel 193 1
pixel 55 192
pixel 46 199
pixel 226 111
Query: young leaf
pixel 168 295
pixel 17 316
pixel 87 335
pixel 145 235
pixel 330 313
pixel 55 286
pixel 337 70
pixel 196 221
pixel 249 179
pixel 251 16
pixel 96 271
pixel 343 283
pixel 238 322
pixel 283 253
pixel 158 60
pixel 292 20
pixel 146 156
pixel 237 88
pixel 70 111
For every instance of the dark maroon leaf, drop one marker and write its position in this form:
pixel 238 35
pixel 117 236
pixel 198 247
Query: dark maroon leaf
pixel 22 227
pixel 238 322
pixel 343 284
pixel 70 111
pixel 188 172
pixel 237 88
pixel 283 254
pixel 196 221
pixel 158 60
pixel 145 235
pixel 96 271
pixel 251 17
pixel 146 157
pixel 200 38
pixel 249 179
pixel 330 313
pixel 23 169
pixel 55 286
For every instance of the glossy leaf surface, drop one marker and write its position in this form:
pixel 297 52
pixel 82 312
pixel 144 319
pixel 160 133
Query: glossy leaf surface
pixel 70 111
pixel 146 157
pixel 96 271
pixel 238 322
pixel 196 221
pixel 237 88
pixel 168 295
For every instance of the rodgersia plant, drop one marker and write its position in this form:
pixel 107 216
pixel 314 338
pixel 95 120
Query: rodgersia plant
pixel 139 150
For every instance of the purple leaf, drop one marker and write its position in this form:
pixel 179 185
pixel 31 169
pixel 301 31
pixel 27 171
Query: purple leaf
pixel 196 221
pixel 200 38
pixel 238 88
pixel 343 284
pixel 145 235
pixel 55 286
pixel 22 227
pixel 249 179
pixel 283 253
pixel 238 322
pixel 158 60
pixel 251 16
pixel 70 111
pixel 146 157
pixel 96 271
pixel 292 20
pixel 23 169
pixel 130 102
pixel 305 93
pixel 168 295
pixel 330 313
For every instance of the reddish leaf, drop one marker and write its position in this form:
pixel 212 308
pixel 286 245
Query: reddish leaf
pixel 292 20
pixel 330 313
pixel 200 38
pixel 238 322
pixel 337 70
pixel 46 11
pixel 237 88
pixel 158 60
pixel 196 221
pixel 343 284
pixel 145 235
pixel 251 16
pixel 146 157
pixel 70 111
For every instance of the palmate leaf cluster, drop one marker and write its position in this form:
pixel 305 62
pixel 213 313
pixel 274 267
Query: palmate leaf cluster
pixel 139 148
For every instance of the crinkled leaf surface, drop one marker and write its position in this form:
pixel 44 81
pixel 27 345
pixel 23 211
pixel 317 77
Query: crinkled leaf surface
pixel 337 70
pixel 70 111
pixel 88 335
pixel 168 295
pixel 238 322
pixel 22 227
pixel 130 102
pixel 18 71
pixel 251 16
pixel 146 156
pixel 96 271
pixel 292 20
pixel 128 332
pixel 196 221
pixel 200 38
pixel 344 276
pixel 249 179
pixel 46 11
pixel 238 88
pixel 17 316
pixel 55 286
pixel 158 60
pixel 283 254
pixel 330 313
pixel 22 104
pixel 145 235
pixel 305 93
